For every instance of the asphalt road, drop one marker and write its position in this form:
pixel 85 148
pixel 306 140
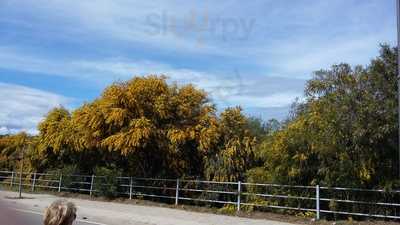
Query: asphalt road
pixel 91 212
pixel 36 218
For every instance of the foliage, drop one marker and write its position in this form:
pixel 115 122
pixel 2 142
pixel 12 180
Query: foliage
pixel 234 153
pixel 67 173
pixel 13 148
pixel 228 209
pixel 145 126
pixel 345 133
pixel 162 129
pixel 106 182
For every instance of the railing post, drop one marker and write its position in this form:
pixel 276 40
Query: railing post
pixel 20 184
pixel 177 192
pixel 91 185
pixel 12 179
pixel 60 183
pixel 239 190
pixel 130 188
pixel 33 182
pixel 317 202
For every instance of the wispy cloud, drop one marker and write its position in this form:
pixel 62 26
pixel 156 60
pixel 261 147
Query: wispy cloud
pixel 22 108
pixel 228 88
pixel 284 40
pixel 149 24
pixel 256 54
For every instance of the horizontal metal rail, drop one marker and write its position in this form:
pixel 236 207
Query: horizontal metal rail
pixel 359 189
pixel 230 192
pixel 206 200
pixel 207 191
pixel 279 196
pixel 50 181
pixel 75 175
pixel 153 187
pixel 360 202
pixel 208 182
pixel 280 207
pixel 151 195
pixel 45 186
pixel 48 174
pixel 75 189
pixel 279 185
pixel 5 182
pixel 80 182
pixel 153 179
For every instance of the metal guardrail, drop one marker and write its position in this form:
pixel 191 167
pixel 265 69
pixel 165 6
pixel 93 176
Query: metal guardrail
pixel 313 199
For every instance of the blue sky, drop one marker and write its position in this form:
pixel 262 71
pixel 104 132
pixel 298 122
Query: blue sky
pixel 257 54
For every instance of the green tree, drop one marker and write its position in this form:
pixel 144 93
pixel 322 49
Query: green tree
pixel 234 153
pixel 13 148
pixel 144 125
pixel 345 133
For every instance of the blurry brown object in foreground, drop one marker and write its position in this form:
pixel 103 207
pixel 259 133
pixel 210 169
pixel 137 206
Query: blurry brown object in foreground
pixel 60 212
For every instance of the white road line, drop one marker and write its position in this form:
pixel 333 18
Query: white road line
pixel 38 213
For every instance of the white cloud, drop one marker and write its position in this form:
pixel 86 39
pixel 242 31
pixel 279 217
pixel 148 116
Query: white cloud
pixel 119 21
pixel 22 108
pixel 228 89
pixel 275 100
pixel 300 58
pixel 285 41
pixel 104 71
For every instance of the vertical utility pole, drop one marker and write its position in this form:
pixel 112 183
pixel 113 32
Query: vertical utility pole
pixel 33 182
pixel 20 173
pixel 398 73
